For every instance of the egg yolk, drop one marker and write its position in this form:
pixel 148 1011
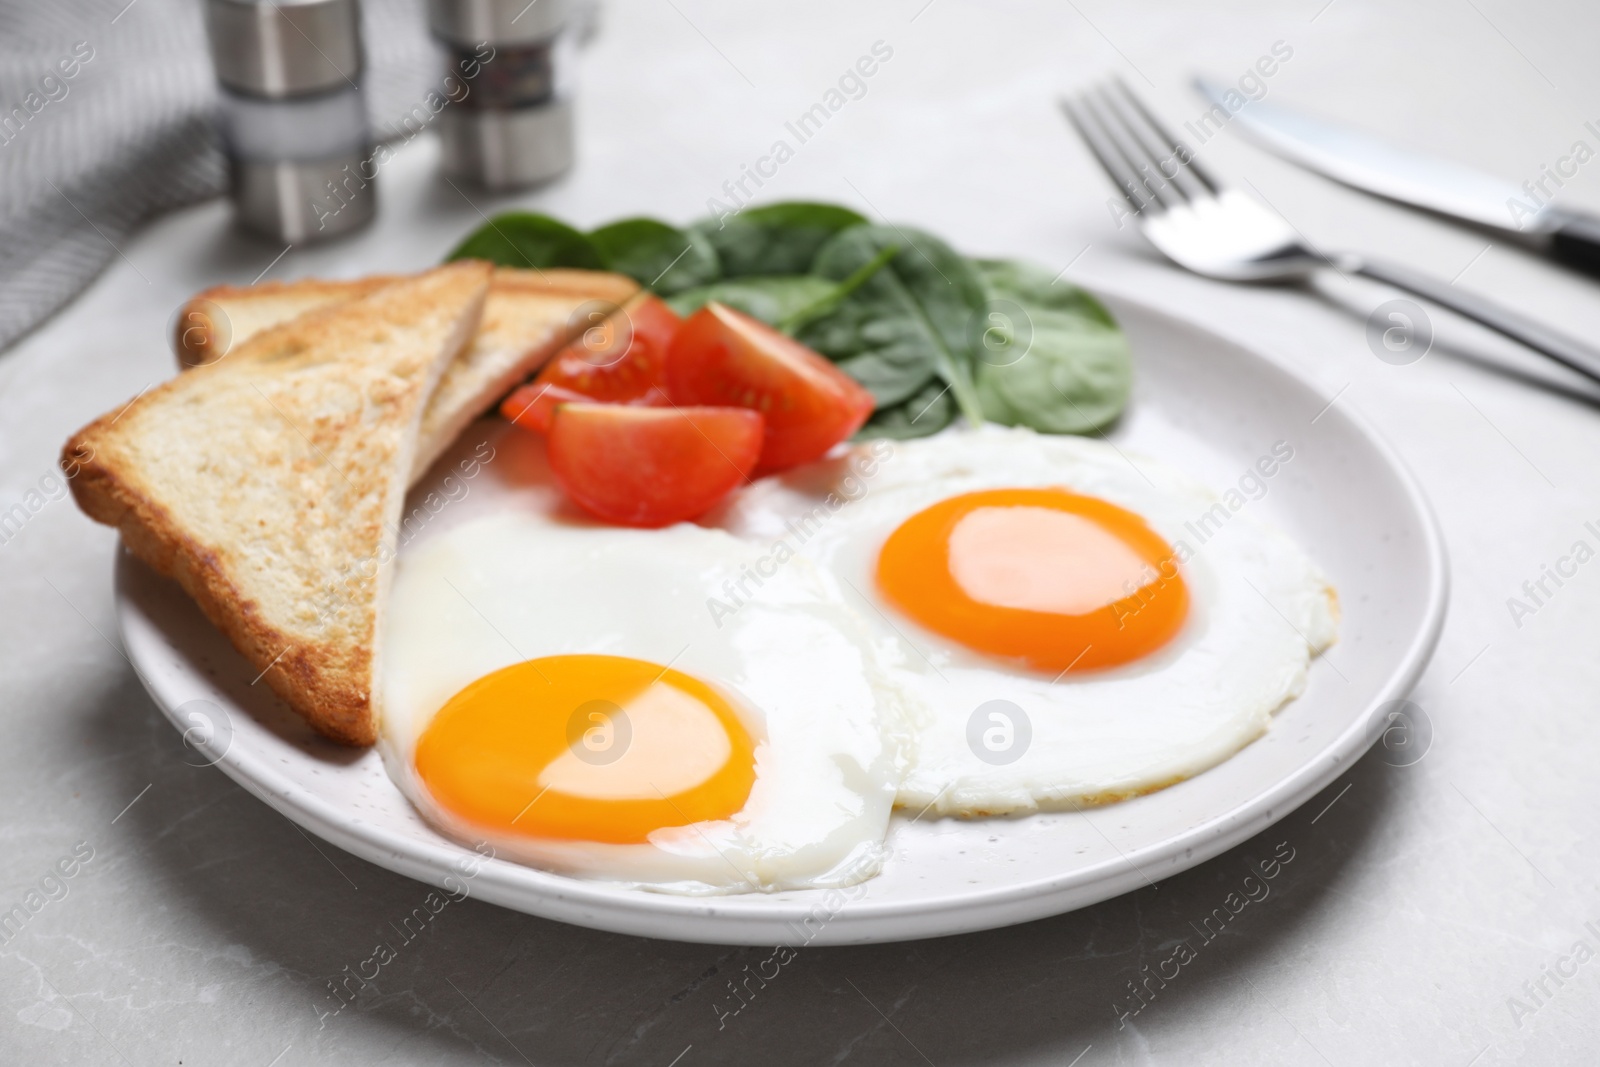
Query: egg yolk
pixel 589 748
pixel 1049 577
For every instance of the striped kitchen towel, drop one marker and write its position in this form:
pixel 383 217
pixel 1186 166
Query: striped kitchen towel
pixel 106 119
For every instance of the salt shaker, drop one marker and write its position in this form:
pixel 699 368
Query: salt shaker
pixel 513 125
pixel 293 115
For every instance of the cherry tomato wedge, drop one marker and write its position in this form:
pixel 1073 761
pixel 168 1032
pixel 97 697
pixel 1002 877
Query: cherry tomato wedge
pixel 619 358
pixel 533 405
pixel 646 466
pixel 723 356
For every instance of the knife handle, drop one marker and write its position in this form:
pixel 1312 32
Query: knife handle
pixel 1558 346
pixel 1576 242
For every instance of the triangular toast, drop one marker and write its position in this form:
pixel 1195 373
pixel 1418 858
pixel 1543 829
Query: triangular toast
pixel 530 314
pixel 270 484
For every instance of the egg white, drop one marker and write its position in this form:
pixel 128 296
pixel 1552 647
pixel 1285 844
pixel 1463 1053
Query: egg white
pixel 1260 609
pixel 522 581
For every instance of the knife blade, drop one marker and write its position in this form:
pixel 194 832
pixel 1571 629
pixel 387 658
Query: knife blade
pixel 1374 166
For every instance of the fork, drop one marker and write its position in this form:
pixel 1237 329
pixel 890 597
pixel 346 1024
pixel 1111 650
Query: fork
pixel 1223 233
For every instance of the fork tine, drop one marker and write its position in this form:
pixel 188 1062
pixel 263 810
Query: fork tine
pixel 1133 151
pixel 1179 151
pixel 1130 151
pixel 1128 156
pixel 1125 178
pixel 1157 158
pixel 1144 163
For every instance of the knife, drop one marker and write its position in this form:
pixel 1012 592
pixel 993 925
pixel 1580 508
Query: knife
pixel 1444 188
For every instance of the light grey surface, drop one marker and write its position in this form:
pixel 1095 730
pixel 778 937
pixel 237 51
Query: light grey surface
pixel 206 928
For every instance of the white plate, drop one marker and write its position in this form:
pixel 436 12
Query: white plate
pixel 1202 404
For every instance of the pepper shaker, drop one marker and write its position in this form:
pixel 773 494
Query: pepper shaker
pixel 513 127
pixel 293 115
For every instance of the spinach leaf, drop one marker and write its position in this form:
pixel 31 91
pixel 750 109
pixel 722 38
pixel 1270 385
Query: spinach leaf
pixel 928 412
pixel 909 322
pixel 656 255
pixel 770 299
pixel 791 324
pixel 781 238
pixel 1050 357
pixel 524 239
pixel 926 331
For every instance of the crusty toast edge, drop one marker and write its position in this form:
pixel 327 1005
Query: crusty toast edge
pixel 346 710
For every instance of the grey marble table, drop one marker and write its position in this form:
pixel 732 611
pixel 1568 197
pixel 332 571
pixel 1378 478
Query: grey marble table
pixel 1432 913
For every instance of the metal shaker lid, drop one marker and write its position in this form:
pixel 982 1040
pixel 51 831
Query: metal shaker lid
pixel 499 22
pixel 285 48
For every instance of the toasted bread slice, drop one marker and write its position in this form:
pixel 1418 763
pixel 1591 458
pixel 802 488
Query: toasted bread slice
pixel 215 321
pixel 270 484
pixel 530 314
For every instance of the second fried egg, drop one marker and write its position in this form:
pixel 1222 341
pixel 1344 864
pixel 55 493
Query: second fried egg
pixel 1068 625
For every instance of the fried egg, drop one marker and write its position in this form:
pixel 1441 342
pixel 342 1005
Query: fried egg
pixel 571 694
pixel 1066 624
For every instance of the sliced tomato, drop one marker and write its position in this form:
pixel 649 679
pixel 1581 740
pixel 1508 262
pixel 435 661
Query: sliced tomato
pixel 651 466
pixel 533 405
pixel 723 356
pixel 620 359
